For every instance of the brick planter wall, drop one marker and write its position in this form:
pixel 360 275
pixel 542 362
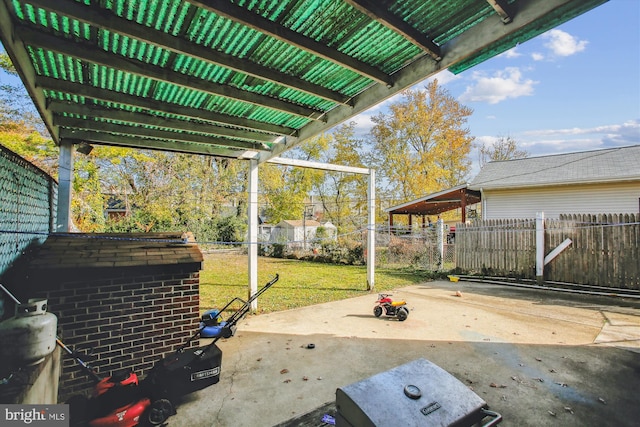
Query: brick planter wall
pixel 128 310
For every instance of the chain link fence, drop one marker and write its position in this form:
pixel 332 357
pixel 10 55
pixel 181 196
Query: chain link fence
pixel 431 248
pixel 428 249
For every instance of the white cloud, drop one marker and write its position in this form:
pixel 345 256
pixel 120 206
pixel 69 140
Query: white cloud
pixel 630 129
pixel 503 85
pixel 444 77
pixel 562 43
pixel 511 53
pixel 537 56
pixel 553 141
pixel 363 123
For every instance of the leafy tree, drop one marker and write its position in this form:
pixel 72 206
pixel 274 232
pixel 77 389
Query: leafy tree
pixel 31 145
pixel 343 195
pixel 285 189
pixel 17 112
pixel 504 148
pixel 421 145
pixel 87 205
pixel 176 192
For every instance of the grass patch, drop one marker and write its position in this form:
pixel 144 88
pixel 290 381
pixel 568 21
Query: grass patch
pixel 302 283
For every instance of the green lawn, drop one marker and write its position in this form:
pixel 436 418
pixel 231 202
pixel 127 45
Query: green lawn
pixel 225 276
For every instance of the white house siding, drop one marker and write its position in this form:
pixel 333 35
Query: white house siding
pixel 613 198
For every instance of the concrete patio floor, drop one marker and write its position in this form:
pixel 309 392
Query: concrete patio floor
pixel 539 358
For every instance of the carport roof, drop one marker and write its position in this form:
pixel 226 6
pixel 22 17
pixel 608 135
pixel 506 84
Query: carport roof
pixel 245 79
pixel 437 203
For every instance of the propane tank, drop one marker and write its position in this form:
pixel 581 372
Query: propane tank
pixel 30 335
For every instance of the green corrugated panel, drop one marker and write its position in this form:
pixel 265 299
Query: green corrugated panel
pixel 268 9
pixel 354 34
pixel 59 96
pixel 221 34
pixel 315 21
pixel 46 19
pixel 164 15
pixel 197 68
pixel 203 70
pixel 116 106
pixel 19 9
pixel 557 17
pixel 301 98
pixel 375 45
pixel 134 49
pixel 51 64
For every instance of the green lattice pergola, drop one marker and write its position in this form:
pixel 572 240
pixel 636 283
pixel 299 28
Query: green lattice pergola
pixel 245 79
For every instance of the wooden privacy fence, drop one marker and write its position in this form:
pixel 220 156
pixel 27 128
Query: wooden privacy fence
pixel 604 249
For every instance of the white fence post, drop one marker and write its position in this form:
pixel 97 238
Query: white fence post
pixel 540 246
pixel 440 231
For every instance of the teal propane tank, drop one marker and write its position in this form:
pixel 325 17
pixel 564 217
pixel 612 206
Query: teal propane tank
pixel 30 335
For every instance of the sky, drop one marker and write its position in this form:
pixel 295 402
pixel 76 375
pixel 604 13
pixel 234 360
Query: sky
pixel 573 88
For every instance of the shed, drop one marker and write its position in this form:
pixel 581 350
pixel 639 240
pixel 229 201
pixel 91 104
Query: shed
pixel 603 181
pixel 299 231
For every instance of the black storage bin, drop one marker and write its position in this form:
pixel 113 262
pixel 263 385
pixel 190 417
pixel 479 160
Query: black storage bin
pixel 184 372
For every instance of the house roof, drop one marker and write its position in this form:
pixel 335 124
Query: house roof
pixel 436 203
pixel 245 79
pixel 598 166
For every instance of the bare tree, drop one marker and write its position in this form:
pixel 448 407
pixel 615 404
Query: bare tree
pixel 505 148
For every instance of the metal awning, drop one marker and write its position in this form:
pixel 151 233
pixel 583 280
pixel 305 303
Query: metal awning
pixel 436 203
pixel 245 79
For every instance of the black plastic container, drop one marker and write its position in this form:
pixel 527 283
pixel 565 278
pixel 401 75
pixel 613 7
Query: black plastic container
pixel 185 371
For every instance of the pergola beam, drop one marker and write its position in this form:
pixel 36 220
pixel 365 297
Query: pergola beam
pixel 75 126
pixel 115 24
pixel 277 31
pixel 91 137
pixel 101 113
pixel 376 11
pixel 503 9
pixel 63 86
pixel 89 54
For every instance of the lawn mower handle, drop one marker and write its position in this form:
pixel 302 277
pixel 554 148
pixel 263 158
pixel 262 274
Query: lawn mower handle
pixel 235 317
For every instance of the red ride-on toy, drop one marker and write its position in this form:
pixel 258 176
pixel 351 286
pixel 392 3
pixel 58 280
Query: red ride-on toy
pixel 385 305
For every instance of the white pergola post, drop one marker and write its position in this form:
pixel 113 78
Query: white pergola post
pixel 371 231
pixel 65 180
pixel 252 212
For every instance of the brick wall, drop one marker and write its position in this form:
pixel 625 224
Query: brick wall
pixel 127 299
pixel 126 322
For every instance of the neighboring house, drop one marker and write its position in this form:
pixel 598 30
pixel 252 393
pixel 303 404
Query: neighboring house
pixel 297 232
pixel 591 182
pixel 264 230
pixel 116 206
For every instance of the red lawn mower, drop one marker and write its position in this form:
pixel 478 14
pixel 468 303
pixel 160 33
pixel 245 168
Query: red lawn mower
pixel 122 400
